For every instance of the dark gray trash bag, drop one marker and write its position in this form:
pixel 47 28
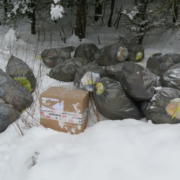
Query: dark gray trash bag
pixel 88 75
pixel 171 77
pixel 159 64
pixel 136 51
pixel 7 115
pixel 54 56
pixel 138 81
pixel 12 92
pixel 111 54
pixel 86 50
pixel 164 107
pixel 66 71
pixel 18 69
pixel 114 71
pixel 112 101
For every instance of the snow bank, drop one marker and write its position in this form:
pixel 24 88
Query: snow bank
pixel 115 150
pixel 10 36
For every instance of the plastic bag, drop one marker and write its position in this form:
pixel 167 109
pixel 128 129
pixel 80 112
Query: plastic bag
pixel 111 55
pixel 112 102
pixel 7 115
pixel 53 57
pixel 114 71
pixel 86 50
pixel 12 92
pixel 138 81
pixel 88 80
pixel 136 51
pixel 159 64
pixel 164 107
pixel 171 77
pixel 21 72
pixel 88 75
pixel 66 71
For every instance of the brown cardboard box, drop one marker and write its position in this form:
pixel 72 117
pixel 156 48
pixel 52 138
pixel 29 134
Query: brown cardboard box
pixel 64 109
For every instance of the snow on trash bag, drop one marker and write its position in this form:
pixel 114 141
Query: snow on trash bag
pixel 7 115
pixel 112 101
pixel 54 56
pixel 114 71
pixel 111 54
pixel 159 64
pixel 138 81
pixel 66 71
pixel 12 92
pixel 88 75
pixel 21 72
pixel 136 51
pixel 86 50
pixel 164 107
pixel 171 78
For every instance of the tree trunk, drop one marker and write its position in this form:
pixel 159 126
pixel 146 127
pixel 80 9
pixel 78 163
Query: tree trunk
pixel 98 9
pixel 70 3
pixel 142 15
pixel 33 18
pixel 5 8
pixel 80 30
pixel 112 9
pixel 135 2
pixel 175 13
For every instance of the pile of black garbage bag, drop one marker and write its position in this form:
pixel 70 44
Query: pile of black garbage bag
pixel 16 85
pixel 120 87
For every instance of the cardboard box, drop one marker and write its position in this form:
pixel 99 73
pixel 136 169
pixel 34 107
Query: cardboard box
pixel 64 109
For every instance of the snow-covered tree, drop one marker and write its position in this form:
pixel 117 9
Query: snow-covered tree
pixel 21 8
pixel 147 15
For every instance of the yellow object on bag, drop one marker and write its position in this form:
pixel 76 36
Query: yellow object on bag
pixel 139 55
pixel 37 57
pixel 87 81
pixel 173 108
pixel 100 88
pixel 23 81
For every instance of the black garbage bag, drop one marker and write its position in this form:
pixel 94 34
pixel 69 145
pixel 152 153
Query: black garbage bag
pixel 21 72
pixel 142 106
pixel 66 71
pixel 114 71
pixel 159 64
pixel 86 50
pixel 138 81
pixel 112 102
pixel 164 107
pixel 111 54
pixel 88 75
pixel 171 77
pixel 54 56
pixel 7 115
pixel 12 92
pixel 136 51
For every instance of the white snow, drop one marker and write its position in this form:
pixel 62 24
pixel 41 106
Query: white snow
pixel 56 11
pixel 56 1
pixel 158 88
pixel 75 106
pixel 107 150
pixel 10 36
pixel 115 150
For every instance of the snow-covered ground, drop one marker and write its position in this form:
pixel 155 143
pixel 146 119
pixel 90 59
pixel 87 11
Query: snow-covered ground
pixel 107 150
pixel 128 149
